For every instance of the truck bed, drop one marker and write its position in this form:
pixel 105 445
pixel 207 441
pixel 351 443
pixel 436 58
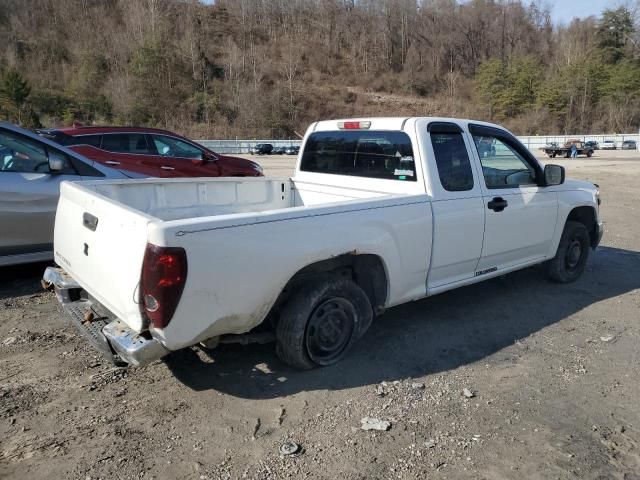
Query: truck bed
pixel 180 199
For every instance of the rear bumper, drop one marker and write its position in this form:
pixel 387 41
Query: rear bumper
pixel 111 337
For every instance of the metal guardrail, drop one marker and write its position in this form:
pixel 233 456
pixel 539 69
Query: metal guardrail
pixel 242 146
pixel 538 141
pixel 531 142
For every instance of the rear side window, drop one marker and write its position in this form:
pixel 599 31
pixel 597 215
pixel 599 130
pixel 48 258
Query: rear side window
pixel 374 154
pixel 125 143
pixel 452 158
pixel 93 140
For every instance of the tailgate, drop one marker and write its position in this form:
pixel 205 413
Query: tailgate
pixel 101 244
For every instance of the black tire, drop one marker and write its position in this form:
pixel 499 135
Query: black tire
pixel 572 255
pixel 589 153
pixel 326 300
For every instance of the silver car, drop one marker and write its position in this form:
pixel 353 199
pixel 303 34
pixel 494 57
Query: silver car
pixel 31 169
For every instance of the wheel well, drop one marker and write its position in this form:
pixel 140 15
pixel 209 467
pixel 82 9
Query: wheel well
pixel 586 216
pixel 367 271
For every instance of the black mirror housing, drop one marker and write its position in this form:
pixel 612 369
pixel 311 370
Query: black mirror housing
pixel 553 175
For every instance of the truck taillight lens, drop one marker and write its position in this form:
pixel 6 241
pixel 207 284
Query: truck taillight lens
pixel 164 273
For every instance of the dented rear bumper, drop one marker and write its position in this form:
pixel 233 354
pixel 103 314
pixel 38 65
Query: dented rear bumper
pixel 110 336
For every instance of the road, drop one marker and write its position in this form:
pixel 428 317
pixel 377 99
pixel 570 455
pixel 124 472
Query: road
pixel 552 373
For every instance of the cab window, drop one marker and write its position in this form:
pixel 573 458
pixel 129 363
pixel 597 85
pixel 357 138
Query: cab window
pixel 375 154
pixel 503 165
pixel 452 159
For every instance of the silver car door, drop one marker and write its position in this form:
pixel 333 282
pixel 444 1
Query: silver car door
pixel 28 194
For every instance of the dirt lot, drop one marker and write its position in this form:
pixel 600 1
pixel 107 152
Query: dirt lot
pixel 554 373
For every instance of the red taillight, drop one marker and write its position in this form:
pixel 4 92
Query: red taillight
pixel 164 273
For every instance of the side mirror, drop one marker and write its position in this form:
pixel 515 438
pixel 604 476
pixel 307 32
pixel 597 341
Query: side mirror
pixel 208 157
pixel 56 164
pixel 553 175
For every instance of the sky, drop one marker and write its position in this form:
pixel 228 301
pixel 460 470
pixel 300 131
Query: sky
pixel 563 11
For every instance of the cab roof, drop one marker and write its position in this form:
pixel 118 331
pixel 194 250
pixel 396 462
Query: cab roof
pixel 392 123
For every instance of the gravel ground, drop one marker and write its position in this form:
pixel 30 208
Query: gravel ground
pixel 511 378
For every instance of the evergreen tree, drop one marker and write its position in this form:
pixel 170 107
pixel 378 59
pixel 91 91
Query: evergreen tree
pixel 614 32
pixel 14 91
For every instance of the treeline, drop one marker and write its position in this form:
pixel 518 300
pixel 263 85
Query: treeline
pixel 266 68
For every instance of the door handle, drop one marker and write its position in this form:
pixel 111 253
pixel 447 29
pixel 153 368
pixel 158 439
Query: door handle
pixel 498 204
pixel 112 162
pixel 164 167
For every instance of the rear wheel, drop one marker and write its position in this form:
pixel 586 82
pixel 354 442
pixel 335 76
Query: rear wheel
pixel 321 321
pixel 572 254
pixel 589 153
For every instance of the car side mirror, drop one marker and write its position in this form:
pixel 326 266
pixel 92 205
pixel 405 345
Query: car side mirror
pixel 553 175
pixel 56 164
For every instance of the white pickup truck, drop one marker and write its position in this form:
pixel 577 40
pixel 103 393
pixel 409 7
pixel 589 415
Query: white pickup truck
pixel 381 211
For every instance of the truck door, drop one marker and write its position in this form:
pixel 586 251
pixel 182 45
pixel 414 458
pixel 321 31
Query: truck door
pixel 520 214
pixel 457 203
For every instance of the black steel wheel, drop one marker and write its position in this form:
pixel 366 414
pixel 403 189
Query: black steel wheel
pixel 329 330
pixel 572 254
pixel 321 321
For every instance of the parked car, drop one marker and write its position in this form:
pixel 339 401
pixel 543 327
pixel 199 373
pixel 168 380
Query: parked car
pixel 280 150
pixel 592 144
pixel 608 145
pixel 31 170
pixel 292 150
pixel 629 145
pixel 314 258
pixel 261 149
pixel 150 152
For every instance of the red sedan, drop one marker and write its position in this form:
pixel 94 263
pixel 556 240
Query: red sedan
pixel 150 152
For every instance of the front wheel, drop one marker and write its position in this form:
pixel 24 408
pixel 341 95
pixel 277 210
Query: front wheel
pixel 321 321
pixel 572 254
